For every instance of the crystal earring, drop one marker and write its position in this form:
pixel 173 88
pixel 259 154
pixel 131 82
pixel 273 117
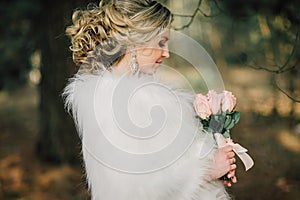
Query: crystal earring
pixel 134 66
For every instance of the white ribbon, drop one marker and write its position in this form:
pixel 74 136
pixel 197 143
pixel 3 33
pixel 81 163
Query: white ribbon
pixel 238 149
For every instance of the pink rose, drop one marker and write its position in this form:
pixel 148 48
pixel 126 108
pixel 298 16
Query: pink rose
pixel 228 101
pixel 214 101
pixel 202 106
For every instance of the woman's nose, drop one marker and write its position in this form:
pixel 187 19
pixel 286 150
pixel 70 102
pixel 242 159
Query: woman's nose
pixel 165 52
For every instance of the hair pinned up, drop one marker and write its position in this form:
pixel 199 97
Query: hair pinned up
pixel 100 34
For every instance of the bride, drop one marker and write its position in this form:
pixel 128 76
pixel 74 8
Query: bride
pixel 140 138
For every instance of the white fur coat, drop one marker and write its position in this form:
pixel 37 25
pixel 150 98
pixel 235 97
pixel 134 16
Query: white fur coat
pixel 140 139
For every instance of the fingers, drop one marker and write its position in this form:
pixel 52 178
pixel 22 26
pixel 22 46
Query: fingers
pixel 231 170
pixel 232 161
pixel 227 148
pixel 230 154
pixel 225 163
pixel 233 167
pixel 229 183
pixel 231 174
pixel 234 179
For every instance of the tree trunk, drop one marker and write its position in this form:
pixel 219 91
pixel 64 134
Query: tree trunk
pixel 57 139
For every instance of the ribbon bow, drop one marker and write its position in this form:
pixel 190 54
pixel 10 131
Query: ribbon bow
pixel 237 148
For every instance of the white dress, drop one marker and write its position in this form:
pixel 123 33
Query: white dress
pixel 140 139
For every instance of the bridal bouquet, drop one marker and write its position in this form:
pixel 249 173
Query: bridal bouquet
pixel 217 111
pixel 217 114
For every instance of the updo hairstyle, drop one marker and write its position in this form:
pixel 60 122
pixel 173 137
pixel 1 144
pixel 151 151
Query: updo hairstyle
pixel 101 34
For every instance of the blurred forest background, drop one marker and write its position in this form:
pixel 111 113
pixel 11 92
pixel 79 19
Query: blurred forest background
pixel 255 44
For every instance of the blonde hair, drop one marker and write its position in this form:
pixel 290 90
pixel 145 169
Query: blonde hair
pixel 101 34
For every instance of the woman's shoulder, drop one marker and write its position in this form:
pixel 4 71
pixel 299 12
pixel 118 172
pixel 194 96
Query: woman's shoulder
pixel 140 90
pixel 126 82
pixel 82 83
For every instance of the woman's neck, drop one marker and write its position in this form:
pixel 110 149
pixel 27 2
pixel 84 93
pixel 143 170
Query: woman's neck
pixel 123 66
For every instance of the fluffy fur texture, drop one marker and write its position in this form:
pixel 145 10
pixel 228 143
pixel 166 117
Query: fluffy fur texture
pixel 94 101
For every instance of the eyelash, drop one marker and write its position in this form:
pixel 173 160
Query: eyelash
pixel 161 44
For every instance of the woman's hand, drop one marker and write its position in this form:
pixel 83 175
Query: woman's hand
pixel 233 179
pixel 224 163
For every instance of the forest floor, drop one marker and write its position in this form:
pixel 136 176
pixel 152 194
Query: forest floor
pixel 22 174
pixel 272 142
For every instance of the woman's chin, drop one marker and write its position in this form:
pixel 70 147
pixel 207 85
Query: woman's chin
pixel 156 66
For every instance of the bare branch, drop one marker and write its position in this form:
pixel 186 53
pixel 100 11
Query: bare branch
pixel 194 13
pixel 277 71
pixel 283 68
pixel 263 68
pixel 192 16
pixel 188 24
pixel 292 52
pixel 276 68
pixel 206 15
pixel 285 93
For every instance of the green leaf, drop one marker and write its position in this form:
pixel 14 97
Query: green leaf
pixel 216 117
pixel 236 116
pixel 226 134
pixel 231 125
pixel 227 121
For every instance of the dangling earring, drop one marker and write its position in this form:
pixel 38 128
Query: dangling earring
pixel 134 66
